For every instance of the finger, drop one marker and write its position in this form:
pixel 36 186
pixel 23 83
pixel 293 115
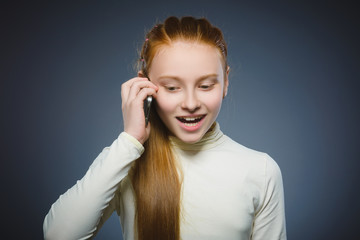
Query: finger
pixel 138 102
pixel 137 86
pixel 125 87
pixel 147 128
pixel 144 93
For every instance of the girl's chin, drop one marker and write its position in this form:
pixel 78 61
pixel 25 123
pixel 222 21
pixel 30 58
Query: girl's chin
pixel 190 137
pixel 190 141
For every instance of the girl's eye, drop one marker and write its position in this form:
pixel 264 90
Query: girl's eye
pixel 206 86
pixel 171 88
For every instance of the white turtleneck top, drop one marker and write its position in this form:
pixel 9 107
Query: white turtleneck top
pixel 229 192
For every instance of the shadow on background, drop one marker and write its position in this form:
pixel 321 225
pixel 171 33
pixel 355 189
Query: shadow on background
pixel 294 87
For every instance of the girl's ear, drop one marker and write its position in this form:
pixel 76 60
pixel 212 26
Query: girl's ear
pixel 226 82
pixel 140 73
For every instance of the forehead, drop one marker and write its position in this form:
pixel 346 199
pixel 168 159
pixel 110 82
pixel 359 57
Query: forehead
pixel 186 59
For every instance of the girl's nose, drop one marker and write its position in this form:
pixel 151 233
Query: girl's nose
pixel 191 103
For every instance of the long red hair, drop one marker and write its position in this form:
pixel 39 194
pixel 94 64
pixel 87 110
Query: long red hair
pixel 156 176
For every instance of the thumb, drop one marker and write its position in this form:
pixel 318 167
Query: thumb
pixel 147 130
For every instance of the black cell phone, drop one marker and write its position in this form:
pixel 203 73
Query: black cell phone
pixel 147 105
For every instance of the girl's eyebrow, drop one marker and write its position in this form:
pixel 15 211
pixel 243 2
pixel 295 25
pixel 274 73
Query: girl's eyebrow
pixel 198 79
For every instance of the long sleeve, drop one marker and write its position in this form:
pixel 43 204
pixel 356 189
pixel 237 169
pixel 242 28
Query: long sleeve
pixel 269 220
pixel 79 212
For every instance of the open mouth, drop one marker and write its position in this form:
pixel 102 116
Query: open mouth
pixel 190 121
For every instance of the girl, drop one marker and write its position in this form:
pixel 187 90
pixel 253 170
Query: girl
pixel 179 176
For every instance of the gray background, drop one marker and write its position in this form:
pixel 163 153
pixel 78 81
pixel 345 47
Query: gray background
pixel 294 89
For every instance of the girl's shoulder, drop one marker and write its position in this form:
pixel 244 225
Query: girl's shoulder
pixel 248 156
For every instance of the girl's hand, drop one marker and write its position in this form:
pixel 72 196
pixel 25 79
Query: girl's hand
pixel 133 94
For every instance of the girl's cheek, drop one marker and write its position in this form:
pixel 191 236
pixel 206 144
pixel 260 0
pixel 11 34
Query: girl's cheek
pixel 214 99
pixel 166 102
pixel 214 104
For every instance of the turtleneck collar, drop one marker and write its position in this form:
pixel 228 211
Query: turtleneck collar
pixel 211 139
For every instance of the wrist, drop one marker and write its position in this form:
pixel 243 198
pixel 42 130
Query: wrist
pixel 133 139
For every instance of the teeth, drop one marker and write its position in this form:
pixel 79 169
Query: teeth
pixel 190 124
pixel 192 119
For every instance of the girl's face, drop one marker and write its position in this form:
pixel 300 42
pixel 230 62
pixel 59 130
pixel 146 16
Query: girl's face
pixel 192 84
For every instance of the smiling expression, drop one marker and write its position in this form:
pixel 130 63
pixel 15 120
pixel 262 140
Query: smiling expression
pixel 192 84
